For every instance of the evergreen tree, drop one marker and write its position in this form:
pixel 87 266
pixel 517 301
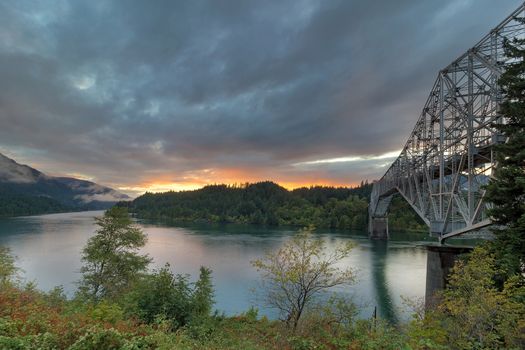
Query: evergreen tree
pixel 203 294
pixel 507 188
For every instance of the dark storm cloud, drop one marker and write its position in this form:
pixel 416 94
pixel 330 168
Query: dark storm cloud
pixel 164 88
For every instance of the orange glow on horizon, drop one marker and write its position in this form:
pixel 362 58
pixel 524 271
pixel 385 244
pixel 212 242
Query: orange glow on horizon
pixel 156 187
pixel 193 180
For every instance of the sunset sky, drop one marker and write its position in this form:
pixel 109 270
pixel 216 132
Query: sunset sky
pixel 158 95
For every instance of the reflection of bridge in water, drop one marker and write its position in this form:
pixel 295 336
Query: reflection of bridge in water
pixel 385 303
pixel 449 155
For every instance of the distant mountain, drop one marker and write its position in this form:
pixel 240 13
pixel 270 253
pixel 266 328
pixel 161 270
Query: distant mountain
pixel 27 191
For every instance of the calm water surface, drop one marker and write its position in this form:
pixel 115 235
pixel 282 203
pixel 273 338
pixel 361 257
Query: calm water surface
pixel 48 250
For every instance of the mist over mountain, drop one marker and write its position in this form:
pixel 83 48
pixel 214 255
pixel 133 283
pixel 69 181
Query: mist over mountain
pixel 27 191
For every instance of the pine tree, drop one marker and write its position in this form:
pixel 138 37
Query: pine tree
pixel 506 191
pixel 203 294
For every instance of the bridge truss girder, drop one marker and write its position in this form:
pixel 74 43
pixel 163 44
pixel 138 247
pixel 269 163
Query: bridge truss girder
pixel 449 157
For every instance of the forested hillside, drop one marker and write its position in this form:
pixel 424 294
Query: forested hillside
pixel 20 205
pixel 266 203
pixel 27 191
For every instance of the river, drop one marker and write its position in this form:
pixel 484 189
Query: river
pixel 48 249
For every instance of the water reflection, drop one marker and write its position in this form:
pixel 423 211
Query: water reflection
pixel 49 248
pixel 378 259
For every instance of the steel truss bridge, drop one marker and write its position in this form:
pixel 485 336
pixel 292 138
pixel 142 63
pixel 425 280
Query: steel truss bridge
pixel 449 155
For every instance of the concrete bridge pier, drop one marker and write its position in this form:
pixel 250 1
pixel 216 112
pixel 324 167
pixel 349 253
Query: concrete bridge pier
pixel 378 227
pixel 440 260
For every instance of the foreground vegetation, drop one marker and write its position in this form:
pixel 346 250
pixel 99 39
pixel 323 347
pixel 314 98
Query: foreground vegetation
pixel 165 311
pixel 266 203
pixel 35 320
pixel 120 304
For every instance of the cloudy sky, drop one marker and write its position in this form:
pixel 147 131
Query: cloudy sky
pixel 156 95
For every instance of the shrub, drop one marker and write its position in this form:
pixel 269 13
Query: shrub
pixel 165 296
pixel 98 338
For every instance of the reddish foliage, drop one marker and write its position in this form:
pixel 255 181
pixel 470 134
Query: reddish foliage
pixel 32 315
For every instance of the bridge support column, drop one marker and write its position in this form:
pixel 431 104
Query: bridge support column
pixel 378 227
pixel 440 260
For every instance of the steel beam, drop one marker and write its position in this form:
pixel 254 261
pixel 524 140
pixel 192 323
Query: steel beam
pixel 448 157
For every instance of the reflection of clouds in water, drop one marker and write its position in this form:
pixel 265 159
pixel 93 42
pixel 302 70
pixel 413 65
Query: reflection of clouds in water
pixel 48 247
pixel 49 250
pixel 227 255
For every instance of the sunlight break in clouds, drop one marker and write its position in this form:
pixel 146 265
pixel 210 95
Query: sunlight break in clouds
pixel 392 154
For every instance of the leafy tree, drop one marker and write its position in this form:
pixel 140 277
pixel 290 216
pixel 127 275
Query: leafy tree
pixel 473 312
pixel 162 295
pixel 506 189
pixel 7 265
pixel 111 258
pixel 165 296
pixel 300 271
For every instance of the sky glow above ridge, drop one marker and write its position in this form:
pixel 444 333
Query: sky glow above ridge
pixel 158 95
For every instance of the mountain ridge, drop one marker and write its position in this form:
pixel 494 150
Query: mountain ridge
pixel 28 191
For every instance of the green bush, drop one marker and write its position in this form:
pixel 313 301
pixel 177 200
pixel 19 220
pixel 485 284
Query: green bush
pixel 44 341
pixel 473 313
pixel 97 338
pixel 7 327
pixel 107 312
pixel 202 329
pixel 163 295
pixel 12 343
pixel 300 343
pixel 8 269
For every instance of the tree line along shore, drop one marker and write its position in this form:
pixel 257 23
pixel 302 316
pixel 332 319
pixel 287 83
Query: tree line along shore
pixel 267 203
